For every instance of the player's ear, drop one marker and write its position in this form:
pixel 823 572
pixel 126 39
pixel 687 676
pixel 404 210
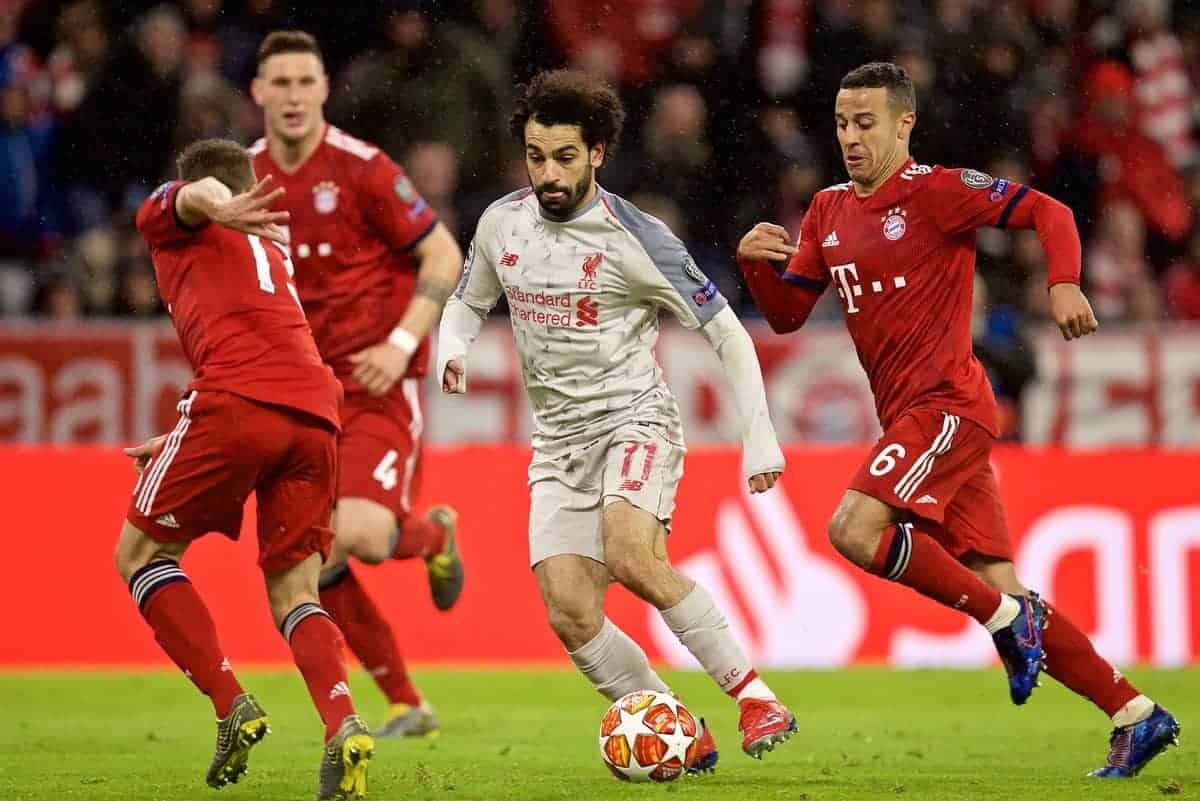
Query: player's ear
pixel 597 154
pixel 256 90
pixel 908 121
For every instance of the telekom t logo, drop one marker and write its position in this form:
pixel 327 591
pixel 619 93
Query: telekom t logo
pixel 844 273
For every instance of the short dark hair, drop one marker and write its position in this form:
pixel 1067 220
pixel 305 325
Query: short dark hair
pixel 288 42
pixel 225 160
pixel 570 97
pixel 884 75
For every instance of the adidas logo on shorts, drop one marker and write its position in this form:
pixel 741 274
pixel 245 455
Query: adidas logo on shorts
pixel 167 520
pixel 927 499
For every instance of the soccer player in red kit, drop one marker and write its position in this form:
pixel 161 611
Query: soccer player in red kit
pixel 898 244
pixel 261 416
pixel 373 267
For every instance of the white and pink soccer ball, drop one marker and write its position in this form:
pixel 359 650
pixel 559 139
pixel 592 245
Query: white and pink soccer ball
pixel 648 736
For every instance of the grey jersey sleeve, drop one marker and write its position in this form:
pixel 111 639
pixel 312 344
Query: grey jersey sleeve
pixel 479 287
pixel 671 277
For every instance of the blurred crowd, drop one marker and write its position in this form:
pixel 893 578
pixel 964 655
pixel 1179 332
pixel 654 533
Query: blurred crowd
pixel 730 123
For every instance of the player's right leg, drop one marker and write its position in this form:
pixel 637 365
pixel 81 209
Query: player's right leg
pixel 888 523
pixel 1141 728
pixel 295 504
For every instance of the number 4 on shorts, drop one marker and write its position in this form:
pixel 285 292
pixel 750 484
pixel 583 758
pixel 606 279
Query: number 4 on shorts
pixel 385 471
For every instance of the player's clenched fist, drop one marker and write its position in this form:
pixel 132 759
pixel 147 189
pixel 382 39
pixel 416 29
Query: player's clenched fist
pixel 1071 311
pixel 766 241
pixel 763 482
pixel 452 378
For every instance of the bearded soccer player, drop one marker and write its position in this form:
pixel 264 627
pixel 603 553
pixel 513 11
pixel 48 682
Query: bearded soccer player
pixel 586 273
pixel 898 244
pixel 373 267
pixel 261 416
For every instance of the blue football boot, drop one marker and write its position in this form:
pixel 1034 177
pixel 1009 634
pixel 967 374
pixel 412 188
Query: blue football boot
pixel 1020 647
pixel 1132 747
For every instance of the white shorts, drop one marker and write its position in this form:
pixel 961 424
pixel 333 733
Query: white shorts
pixel 568 492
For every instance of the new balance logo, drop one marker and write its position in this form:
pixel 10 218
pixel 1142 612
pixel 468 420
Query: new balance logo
pixel 631 485
pixel 168 520
pixel 587 312
pixel 831 241
pixel 509 259
pixel 341 688
pixel 927 499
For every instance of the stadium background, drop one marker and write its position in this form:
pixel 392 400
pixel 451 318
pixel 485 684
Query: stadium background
pixel 1095 103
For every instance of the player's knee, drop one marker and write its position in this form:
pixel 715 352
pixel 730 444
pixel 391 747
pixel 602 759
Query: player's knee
pixel 367 537
pixel 850 537
pixel 633 566
pixel 134 551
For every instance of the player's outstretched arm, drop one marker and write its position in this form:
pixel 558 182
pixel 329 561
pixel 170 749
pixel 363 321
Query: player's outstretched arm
pixel 209 200
pixel 1055 226
pixel 784 304
pixel 762 458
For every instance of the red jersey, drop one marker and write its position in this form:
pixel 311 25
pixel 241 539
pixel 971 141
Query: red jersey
pixel 355 219
pixel 903 263
pixel 231 299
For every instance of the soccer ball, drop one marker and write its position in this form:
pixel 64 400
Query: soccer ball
pixel 648 736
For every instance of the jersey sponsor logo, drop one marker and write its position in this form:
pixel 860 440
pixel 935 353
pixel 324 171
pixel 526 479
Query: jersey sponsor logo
pixel 509 259
pixel 894 225
pixel 692 271
pixel 831 241
pixel 587 312
pixel 975 179
pixel 325 197
pixel 845 276
pixel 999 189
pixel 706 294
pixel 403 188
pixel 590 267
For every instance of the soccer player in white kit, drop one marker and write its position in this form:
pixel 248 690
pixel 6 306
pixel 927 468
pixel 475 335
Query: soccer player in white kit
pixel 585 274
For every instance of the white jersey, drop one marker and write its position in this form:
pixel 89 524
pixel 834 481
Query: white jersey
pixel 584 298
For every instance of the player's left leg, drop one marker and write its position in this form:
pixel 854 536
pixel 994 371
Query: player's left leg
pixel 635 546
pixel 1141 728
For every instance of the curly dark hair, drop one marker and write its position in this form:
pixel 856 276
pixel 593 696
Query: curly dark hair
pixel 884 75
pixel 570 97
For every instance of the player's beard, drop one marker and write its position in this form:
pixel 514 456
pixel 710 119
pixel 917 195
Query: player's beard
pixel 574 195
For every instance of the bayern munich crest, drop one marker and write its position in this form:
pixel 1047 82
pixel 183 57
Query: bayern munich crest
pixel 894 225
pixel 325 197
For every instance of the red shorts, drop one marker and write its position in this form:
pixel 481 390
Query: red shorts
pixel 225 447
pixel 936 466
pixel 379 453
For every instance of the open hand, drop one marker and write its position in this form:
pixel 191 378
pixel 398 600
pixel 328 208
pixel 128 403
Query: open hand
pixel 250 212
pixel 379 367
pixel 142 454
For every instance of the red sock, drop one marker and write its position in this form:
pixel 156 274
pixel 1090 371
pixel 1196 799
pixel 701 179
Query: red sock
pixel 418 536
pixel 317 648
pixel 370 637
pixel 185 630
pixel 916 560
pixel 1072 660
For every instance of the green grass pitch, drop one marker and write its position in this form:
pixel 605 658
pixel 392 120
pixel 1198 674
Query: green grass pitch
pixel 531 736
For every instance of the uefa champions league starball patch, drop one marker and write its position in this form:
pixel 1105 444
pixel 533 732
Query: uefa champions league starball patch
pixel 976 179
pixel 325 197
pixel 894 224
pixel 404 188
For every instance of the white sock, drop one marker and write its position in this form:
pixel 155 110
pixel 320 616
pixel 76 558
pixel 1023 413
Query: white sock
pixel 1137 709
pixel 703 630
pixel 1004 615
pixel 756 688
pixel 615 664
